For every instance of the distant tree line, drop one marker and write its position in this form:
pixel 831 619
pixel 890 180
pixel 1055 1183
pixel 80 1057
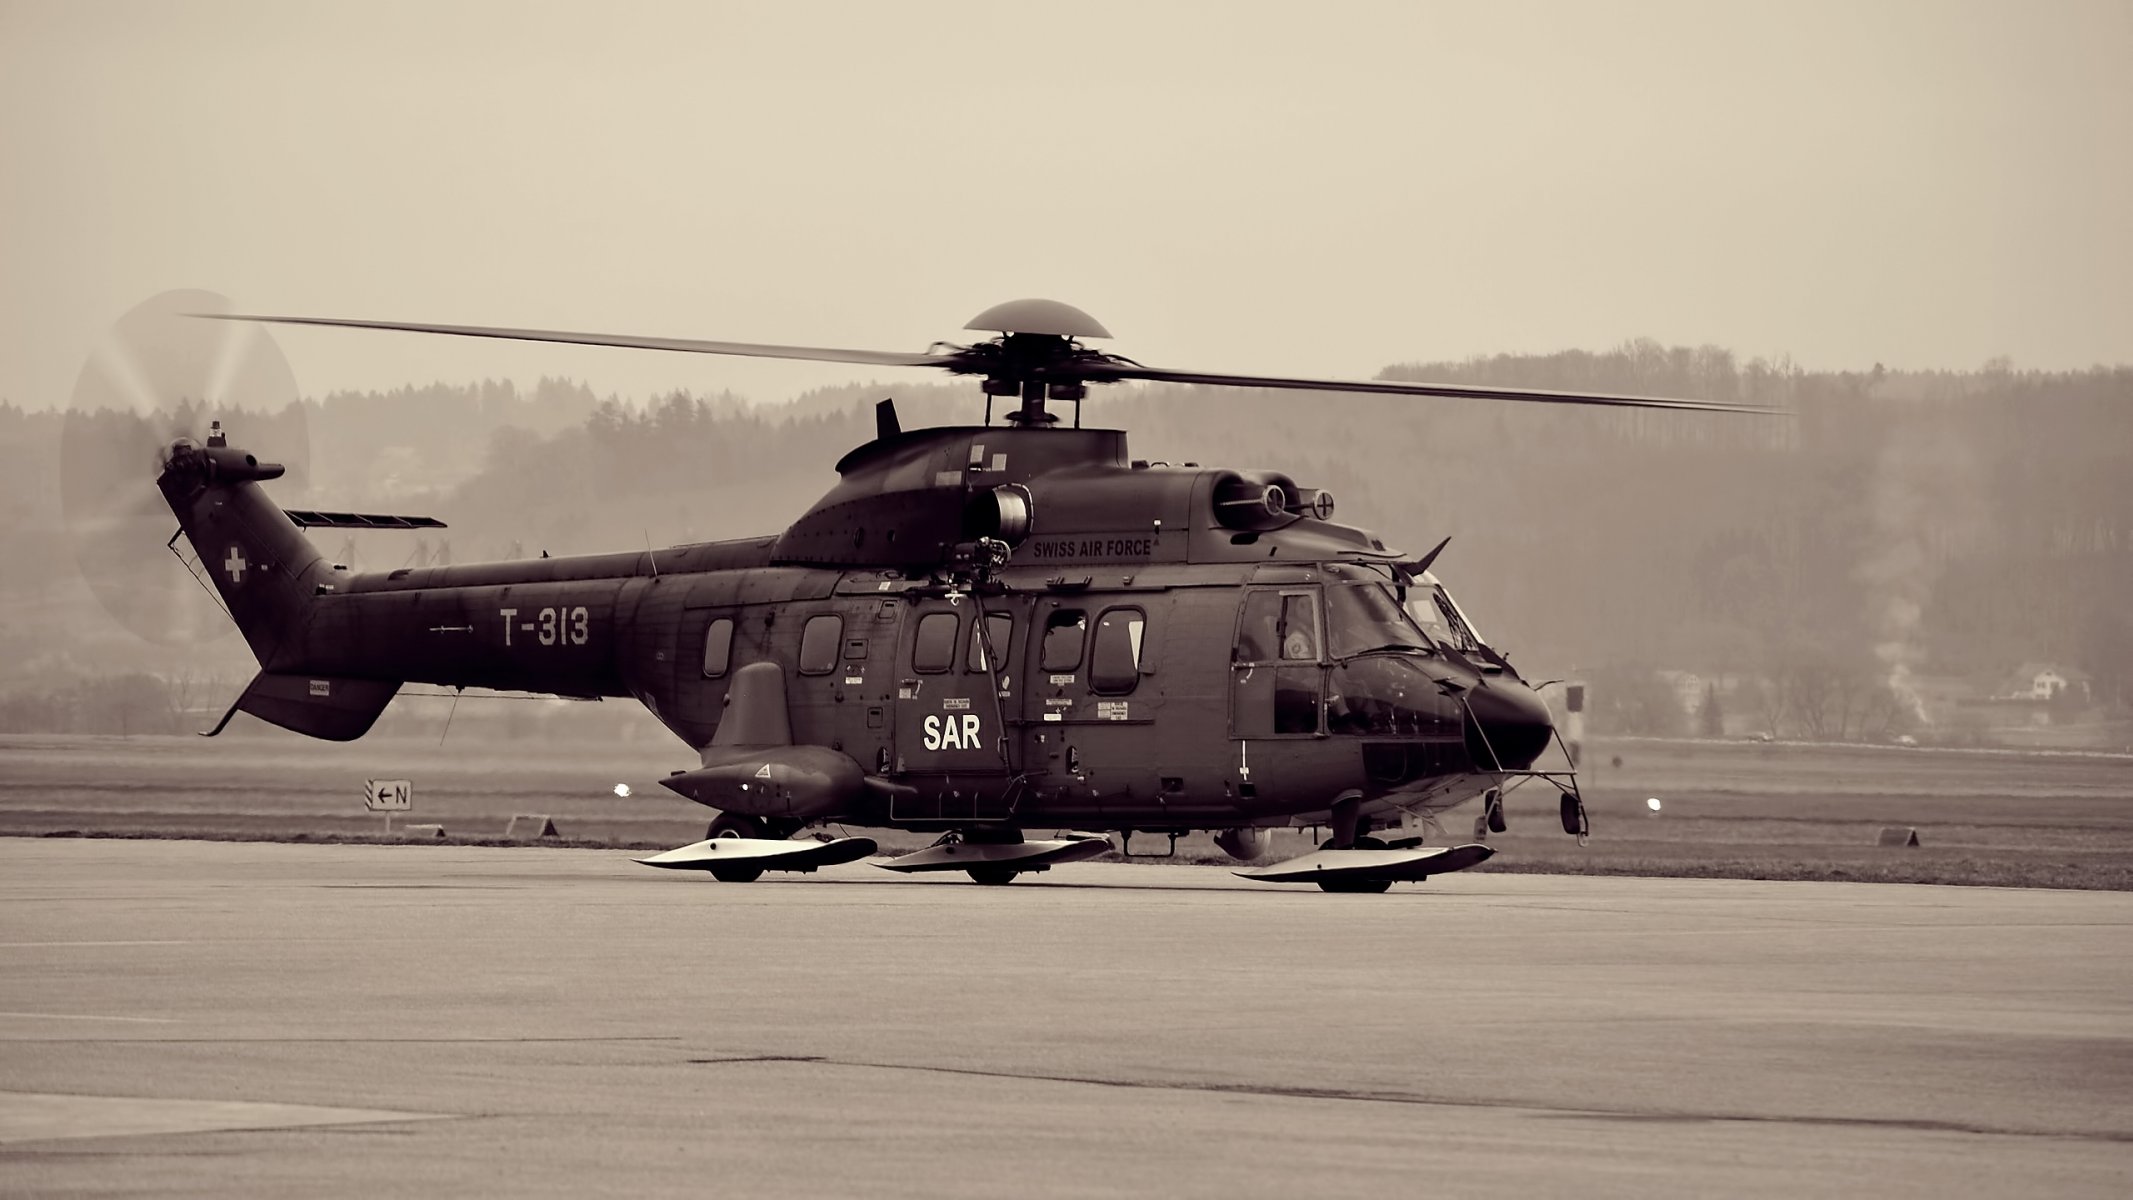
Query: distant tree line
pixel 132 702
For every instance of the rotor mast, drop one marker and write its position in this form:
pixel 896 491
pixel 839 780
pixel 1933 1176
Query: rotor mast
pixel 1036 356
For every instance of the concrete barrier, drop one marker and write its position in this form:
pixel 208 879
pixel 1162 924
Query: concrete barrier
pixel 422 832
pixel 527 827
pixel 1898 835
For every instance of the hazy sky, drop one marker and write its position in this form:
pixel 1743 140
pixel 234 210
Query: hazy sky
pixel 1322 187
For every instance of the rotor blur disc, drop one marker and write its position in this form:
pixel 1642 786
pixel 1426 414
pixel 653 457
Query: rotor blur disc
pixel 156 376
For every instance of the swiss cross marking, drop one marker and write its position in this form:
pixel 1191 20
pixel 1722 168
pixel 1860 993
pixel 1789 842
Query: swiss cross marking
pixel 235 565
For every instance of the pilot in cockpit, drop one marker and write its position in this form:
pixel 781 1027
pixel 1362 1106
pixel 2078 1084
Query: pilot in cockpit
pixel 1278 628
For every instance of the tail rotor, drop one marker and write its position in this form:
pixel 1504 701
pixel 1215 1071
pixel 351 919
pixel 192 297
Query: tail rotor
pixel 159 379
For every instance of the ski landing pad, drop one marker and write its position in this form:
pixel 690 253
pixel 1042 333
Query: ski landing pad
pixel 762 854
pixel 1372 866
pixel 998 856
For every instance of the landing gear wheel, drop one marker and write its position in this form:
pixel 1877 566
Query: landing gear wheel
pixel 1492 809
pixel 1367 887
pixel 993 876
pixel 1362 842
pixel 736 825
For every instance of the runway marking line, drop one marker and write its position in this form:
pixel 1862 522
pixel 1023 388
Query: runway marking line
pixel 1527 1108
pixel 38 1016
pixel 62 1116
pixel 354 1041
pixel 33 945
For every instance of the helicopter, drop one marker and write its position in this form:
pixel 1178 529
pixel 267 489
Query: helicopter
pixel 980 632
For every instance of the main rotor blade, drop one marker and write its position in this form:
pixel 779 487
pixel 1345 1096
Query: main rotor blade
pixel 871 358
pixel 1106 372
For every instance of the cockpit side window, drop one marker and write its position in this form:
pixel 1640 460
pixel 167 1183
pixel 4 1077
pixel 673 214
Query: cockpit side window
pixel 1278 627
pixel 1256 641
pixel 1299 627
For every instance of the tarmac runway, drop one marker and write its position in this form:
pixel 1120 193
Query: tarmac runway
pixel 191 1018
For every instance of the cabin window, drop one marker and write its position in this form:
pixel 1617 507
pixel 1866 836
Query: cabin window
pixel 934 649
pixel 1000 627
pixel 819 642
pixel 718 647
pixel 1115 663
pixel 1063 632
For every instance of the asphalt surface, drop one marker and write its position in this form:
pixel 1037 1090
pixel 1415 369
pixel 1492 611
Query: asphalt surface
pixel 183 1018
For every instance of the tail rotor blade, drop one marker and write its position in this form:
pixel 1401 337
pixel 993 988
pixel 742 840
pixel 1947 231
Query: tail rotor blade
pixel 154 378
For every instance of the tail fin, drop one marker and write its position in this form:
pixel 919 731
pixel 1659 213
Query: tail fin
pixel 266 571
pixel 269 575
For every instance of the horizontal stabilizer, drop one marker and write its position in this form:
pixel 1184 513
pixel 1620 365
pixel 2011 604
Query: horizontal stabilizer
pixel 763 853
pixel 1330 866
pixel 314 519
pixel 338 710
pixel 1022 856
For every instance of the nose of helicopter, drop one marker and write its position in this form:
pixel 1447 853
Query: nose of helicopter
pixel 1506 725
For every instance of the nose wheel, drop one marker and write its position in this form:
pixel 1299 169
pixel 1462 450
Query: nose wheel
pixel 1491 819
pixel 1363 887
pixel 1576 822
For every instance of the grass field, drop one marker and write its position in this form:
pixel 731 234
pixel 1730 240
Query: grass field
pixel 1729 809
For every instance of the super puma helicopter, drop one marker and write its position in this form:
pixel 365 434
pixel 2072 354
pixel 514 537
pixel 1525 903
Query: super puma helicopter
pixel 980 630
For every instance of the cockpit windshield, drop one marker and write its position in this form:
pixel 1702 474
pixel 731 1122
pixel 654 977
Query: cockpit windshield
pixel 1368 606
pixel 1432 608
pixel 1361 617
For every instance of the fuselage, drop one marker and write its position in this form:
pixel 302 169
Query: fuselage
pixel 1141 662
pixel 1159 696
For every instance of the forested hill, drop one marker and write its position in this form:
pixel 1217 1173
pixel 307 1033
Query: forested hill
pixel 1946 522
pixel 1902 523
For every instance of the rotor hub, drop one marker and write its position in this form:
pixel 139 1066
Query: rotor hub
pixel 1036 315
